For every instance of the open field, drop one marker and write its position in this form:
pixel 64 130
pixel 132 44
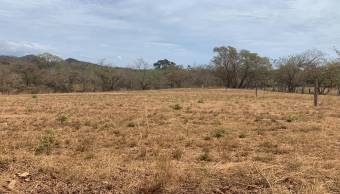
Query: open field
pixel 169 141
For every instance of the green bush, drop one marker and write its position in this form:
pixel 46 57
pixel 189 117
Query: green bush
pixel 131 124
pixel 62 119
pixel 218 133
pixel 200 101
pixel 242 135
pixel 176 107
pixel 292 117
pixel 46 142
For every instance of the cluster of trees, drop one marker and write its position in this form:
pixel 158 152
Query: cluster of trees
pixel 310 71
pixel 48 73
pixel 307 72
pixel 295 73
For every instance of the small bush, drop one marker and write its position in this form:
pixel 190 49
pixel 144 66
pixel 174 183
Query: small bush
pixel 34 96
pixel 266 158
pixel 270 147
pixel 176 107
pixel 205 155
pixel 294 165
pixel 200 101
pixel 131 124
pixel 218 133
pixel 89 156
pixel 62 119
pixel 46 143
pixel 292 117
pixel 177 154
pixel 85 144
pixel 4 163
pixel 242 135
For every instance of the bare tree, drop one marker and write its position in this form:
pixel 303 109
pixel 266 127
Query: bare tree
pixel 142 67
pixel 313 60
pixel 288 72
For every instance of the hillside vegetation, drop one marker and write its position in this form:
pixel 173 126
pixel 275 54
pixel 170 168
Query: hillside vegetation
pixel 307 72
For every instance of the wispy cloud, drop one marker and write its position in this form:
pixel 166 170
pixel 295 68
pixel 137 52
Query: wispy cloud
pixel 21 48
pixel 185 31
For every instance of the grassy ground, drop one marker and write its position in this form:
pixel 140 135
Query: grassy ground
pixel 169 141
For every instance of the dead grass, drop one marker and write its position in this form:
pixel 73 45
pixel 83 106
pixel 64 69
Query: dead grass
pixel 170 141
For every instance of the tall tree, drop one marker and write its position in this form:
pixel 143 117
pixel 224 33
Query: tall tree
pixel 238 69
pixel 313 60
pixel 226 63
pixel 164 64
pixel 144 78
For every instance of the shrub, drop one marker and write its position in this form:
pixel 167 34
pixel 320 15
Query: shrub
pixel 34 96
pixel 62 119
pixel 176 107
pixel 131 124
pixel 218 133
pixel 294 165
pixel 242 136
pixel 46 143
pixel 89 156
pixel 85 144
pixel 292 117
pixel 200 101
pixel 177 154
pixel 270 147
pixel 205 156
pixel 266 158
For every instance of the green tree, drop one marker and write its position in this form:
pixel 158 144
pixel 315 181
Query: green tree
pixel 164 64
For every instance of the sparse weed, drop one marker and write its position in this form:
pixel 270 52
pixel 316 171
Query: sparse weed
pixel 242 136
pixel 46 142
pixel 205 155
pixel 270 147
pixel 310 129
pixel 131 124
pixel 207 138
pixel 294 165
pixel 63 118
pixel 89 156
pixel 292 117
pixel 264 158
pixel 85 144
pixel 218 133
pixel 177 154
pixel 176 107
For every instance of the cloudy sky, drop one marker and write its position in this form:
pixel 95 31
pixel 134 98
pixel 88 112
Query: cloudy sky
pixel 186 31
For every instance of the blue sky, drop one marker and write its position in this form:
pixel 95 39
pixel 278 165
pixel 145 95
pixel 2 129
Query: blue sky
pixel 120 31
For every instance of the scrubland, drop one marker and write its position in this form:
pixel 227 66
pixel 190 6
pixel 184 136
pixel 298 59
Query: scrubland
pixel 169 141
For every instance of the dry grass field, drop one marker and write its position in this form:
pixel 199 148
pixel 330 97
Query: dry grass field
pixel 169 141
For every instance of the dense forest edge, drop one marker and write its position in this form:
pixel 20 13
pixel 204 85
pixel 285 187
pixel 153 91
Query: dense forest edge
pixel 230 68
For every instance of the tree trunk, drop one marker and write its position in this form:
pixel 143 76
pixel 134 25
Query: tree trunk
pixel 256 90
pixel 316 91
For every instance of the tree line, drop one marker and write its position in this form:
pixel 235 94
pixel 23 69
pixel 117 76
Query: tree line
pixel 307 72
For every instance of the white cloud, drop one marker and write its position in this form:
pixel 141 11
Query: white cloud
pixel 185 31
pixel 21 48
